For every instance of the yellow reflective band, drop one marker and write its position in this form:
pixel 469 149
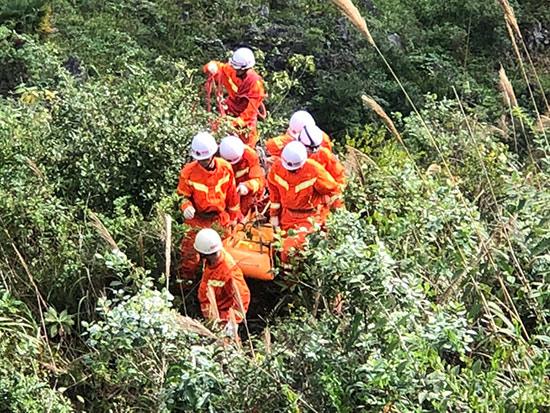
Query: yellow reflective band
pixel 334 198
pixel 216 283
pixel 242 172
pixel 275 205
pixel 233 85
pixel 235 208
pixel 254 184
pixel 222 181
pixel 304 185
pixel 199 186
pixel 281 182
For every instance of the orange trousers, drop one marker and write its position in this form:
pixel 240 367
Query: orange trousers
pixel 301 223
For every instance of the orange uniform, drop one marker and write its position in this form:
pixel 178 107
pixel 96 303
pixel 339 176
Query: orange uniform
pixel 249 172
pixel 335 168
pixel 224 278
pixel 214 196
pixel 275 146
pixel 244 100
pixel 296 196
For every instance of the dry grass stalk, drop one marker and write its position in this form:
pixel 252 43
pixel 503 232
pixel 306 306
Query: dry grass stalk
pixel 194 326
pixel 510 16
pixel 267 340
pixel 167 245
pixel 507 89
pixel 103 232
pixel 239 300
pixel 373 105
pixel 348 8
pixel 353 161
pixel 36 170
pixel 213 313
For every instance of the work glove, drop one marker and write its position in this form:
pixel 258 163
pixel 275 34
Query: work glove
pixel 211 67
pixel 189 212
pixel 242 189
pixel 231 329
pixel 274 221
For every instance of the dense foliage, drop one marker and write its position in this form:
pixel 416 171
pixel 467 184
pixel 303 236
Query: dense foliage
pixel 429 293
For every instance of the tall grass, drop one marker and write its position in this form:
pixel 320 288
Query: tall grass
pixel 351 12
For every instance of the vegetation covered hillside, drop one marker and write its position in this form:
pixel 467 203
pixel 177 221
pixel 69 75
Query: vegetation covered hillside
pixel 429 292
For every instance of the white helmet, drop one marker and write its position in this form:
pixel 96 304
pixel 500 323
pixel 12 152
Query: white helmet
pixel 207 241
pixel 203 146
pixel 297 122
pixel 231 149
pixel 242 58
pixel 294 156
pixel 311 136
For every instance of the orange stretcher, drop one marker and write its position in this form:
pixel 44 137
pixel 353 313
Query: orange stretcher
pixel 251 247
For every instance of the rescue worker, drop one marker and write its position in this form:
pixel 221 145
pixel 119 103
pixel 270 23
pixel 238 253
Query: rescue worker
pixel 245 89
pixel 222 275
pixel 311 137
pixel 210 197
pixel 297 186
pixel 298 120
pixel 249 175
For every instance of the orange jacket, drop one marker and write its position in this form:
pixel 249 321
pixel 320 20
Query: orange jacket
pixel 334 167
pixel 209 191
pixel 245 96
pixel 224 278
pixel 327 142
pixel 298 192
pixel 275 146
pixel 249 172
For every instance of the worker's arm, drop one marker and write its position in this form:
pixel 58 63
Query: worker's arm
pixel 203 300
pixel 325 183
pixel 184 189
pixel 223 73
pixel 335 168
pixel 256 175
pixel 232 202
pixel 274 195
pixel 241 294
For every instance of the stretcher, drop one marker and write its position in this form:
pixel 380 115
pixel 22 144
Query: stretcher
pixel 252 248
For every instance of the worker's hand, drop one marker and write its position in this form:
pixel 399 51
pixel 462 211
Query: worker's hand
pixel 274 221
pixel 189 212
pixel 231 329
pixel 211 68
pixel 242 189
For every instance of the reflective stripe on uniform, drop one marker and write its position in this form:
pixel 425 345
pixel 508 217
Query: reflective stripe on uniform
pixel 215 283
pixel 242 172
pixel 198 186
pixel 305 185
pixel 275 205
pixel 282 182
pixel 254 185
pixel 234 87
pixel 222 181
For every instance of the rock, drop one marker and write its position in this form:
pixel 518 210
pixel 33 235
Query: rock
pixel 395 40
pixel 538 37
